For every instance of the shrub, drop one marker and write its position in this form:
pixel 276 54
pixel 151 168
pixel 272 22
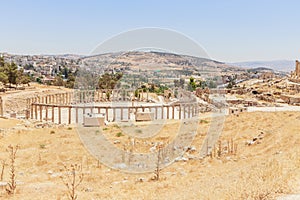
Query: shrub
pixel 72 178
pixel 11 184
pixel 119 134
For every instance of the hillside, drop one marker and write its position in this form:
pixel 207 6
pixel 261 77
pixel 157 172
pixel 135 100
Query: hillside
pixel 155 61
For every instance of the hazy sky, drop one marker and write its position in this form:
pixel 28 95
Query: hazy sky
pixel 228 30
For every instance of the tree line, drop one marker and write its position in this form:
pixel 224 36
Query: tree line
pixel 10 74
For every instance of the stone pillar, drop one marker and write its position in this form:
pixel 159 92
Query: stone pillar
pixel 76 115
pixel 121 113
pixel 59 115
pixel 46 112
pixel 35 111
pixel 114 114
pixel 147 95
pixel 41 113
pixel 297 71
pixel 27 114
pixel 106 113
pixel 179 112
pixel 1 107
pixel 53 114
pixel 31 111
pixel 167 112
pixel 70 115
pixel 173 112
pixel 128 113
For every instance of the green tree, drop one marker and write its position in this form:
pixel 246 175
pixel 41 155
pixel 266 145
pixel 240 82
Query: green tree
pixel 109 81
pixel 212 84
pixel 2 62
pixel 22 78
pixel 181 83
pixel 66 73
pixel 192 84
pixel 38 80
pixel 3 78
pixel 70 82
pixel 58 81
pixel 136 93
pixel 11 70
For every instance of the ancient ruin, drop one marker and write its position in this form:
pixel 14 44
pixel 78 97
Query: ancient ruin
pixel 295 75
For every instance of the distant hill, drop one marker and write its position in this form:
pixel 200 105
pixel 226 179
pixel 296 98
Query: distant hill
pixel 260 69
pixel 156 61
pixel 277 65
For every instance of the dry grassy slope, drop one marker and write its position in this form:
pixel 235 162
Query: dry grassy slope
pixel 154 61
pixel 261 169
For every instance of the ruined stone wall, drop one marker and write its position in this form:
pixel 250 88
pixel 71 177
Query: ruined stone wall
pixel 297 71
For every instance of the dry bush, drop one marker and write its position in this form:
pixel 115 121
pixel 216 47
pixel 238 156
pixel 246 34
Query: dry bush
pixel 72 178
pixel 2 169
pixel 261 182
pixel 230 148
pixel 160 158
pixel 11 185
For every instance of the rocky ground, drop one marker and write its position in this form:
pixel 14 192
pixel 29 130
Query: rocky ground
pixel 265 164
pixel 15 100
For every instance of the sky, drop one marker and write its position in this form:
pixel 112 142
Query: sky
pixel 229 31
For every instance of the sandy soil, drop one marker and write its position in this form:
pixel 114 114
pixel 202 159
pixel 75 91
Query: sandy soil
pixel 268 168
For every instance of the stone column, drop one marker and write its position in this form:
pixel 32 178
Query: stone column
pixel 53 113
pixel 31 111
pixel 46 112
pixel 41 113
pixel 76 115
pixel 106 113
pixel 70 119
pixel 121 113
pixel 297 71
pixel 35 111
pixel 167 112
pixel 59 115
pixel 1 107
pixel 179 112
pixel 128 113
pixel 172 112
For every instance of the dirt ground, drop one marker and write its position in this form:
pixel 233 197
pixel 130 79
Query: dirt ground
pixel 15 100
pixel 263 170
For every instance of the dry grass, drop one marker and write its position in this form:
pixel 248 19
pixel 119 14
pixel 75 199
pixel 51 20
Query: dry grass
pixel 11 184
pixel 72 178
pixel 263 181
pixel 259 171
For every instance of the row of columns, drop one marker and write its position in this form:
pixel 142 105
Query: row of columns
pixel 60 98
pixel 36 111
pixel 87 96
